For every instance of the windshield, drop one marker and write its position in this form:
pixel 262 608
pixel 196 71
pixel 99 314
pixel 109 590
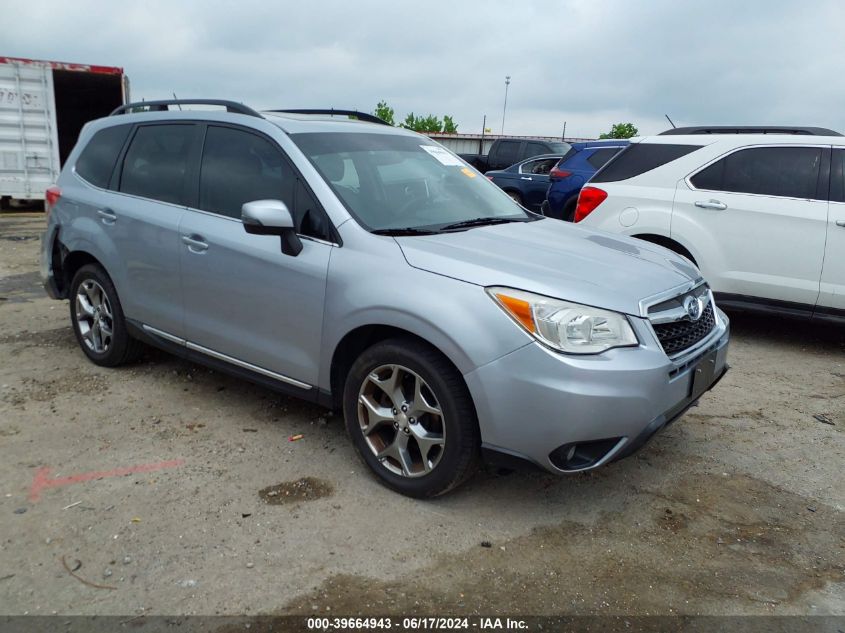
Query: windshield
pixel 393 181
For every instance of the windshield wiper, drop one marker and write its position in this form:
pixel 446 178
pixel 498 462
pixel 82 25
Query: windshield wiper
pixel 465 224
pixel 403 231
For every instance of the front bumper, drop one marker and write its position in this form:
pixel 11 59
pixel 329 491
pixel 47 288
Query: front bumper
pixel 534 402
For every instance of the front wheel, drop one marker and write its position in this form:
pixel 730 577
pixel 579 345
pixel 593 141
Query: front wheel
pixel 515 197
pixel 411 418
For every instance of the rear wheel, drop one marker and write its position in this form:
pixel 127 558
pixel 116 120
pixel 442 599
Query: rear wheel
pixel 98 320
pixel 411 418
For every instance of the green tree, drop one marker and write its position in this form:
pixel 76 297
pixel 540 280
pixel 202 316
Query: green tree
pixel 621 130
pixel 426 124
pixel 384 112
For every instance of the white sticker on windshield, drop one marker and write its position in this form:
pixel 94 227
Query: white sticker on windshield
pixel 442 155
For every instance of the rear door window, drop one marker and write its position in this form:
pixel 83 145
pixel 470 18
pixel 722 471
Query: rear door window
pixel 96 162
pixel 600 156
pixel 535 149
pixel 791 172
pixel 540 167
pixel 507 151
pixel 156 163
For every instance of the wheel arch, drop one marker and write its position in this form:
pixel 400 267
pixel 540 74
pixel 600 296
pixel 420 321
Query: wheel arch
pixel 354 342
pixel 66 266
pixel 667 242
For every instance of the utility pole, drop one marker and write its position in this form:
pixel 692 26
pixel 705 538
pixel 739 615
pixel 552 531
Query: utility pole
pixel 505 108
pixel 563 135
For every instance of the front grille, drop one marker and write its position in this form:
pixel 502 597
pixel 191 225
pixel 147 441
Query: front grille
pixel 680 335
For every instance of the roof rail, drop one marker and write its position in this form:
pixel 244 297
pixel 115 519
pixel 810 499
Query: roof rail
pixel 361 116
pixel 751 129
pixel 162 106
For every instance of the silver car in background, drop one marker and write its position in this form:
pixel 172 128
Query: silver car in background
pixel 366 268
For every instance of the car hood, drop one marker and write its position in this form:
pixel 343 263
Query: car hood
pixel 553 258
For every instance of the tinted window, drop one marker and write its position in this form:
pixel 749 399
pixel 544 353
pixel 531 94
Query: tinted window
pixel 156 162
pixel 600 156
pixel 558 148
pixel 837 176
pixel 533 149
pixel 239 167
pixel 772 171
pixel 309 217
pixel 507 151
pixel 96 162
pixel 639 158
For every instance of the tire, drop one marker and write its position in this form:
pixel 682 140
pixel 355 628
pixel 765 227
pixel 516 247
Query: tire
pixel 515 197
pixel 98 321
pixel 450 439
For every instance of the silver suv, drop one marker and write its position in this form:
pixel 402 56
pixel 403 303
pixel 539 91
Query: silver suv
pixel 367 268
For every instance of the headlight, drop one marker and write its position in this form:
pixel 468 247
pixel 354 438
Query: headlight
pixel 567 327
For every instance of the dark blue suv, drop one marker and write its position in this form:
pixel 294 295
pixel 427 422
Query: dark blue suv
pixel 572 171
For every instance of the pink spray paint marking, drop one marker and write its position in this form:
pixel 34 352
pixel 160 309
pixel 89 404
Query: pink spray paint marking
pixel 42 480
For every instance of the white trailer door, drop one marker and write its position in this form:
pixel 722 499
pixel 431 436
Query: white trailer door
pixel 29 151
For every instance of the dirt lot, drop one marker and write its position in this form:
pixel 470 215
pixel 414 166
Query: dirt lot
pixel 199 504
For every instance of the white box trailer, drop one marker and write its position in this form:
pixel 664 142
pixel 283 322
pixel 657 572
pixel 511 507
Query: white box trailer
pixel 43 106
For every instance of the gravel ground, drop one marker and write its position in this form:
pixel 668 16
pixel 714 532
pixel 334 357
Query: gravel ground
pixel 199 503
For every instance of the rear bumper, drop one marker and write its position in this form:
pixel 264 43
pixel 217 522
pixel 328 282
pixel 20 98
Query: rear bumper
pixel 537 405
pixel 46 264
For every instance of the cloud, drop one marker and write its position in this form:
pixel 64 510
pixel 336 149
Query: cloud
pixel 589 64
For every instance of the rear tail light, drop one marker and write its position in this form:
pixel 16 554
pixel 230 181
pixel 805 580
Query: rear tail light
pixel 588 200
pixel 489 178
pixel 559 173
pixel 51 197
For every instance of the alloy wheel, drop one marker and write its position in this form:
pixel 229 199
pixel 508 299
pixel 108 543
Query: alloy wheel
pixel 401 421
pixel 94 316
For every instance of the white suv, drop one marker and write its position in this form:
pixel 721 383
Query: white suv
pixel 760 212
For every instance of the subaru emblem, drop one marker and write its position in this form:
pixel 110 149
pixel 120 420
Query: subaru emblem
pixel 693 307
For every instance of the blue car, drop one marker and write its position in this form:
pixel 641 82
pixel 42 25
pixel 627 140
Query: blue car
pixel 572 171
pixel 527 181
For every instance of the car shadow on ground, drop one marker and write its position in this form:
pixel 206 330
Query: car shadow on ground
pixel 803 333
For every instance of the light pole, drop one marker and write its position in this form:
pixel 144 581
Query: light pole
pixel 505 108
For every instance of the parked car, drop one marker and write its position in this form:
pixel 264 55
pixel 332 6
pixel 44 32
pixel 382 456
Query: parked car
pixel 761 214
pixel 527 181
pixel 572 171
pixel 505 152
pixel 366 268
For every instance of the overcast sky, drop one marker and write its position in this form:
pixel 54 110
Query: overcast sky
pixel 587 63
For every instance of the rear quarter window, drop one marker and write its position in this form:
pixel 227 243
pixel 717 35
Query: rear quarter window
pixel 96 162
pixel 600 156
pixel 639 158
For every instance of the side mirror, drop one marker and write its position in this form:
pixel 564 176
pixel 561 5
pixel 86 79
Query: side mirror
pixel 272 217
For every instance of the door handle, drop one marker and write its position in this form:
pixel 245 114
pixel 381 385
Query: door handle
pixel 840 223
pixel 525 178
pixel 107 216
pixel 195 243
pixel 711 204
